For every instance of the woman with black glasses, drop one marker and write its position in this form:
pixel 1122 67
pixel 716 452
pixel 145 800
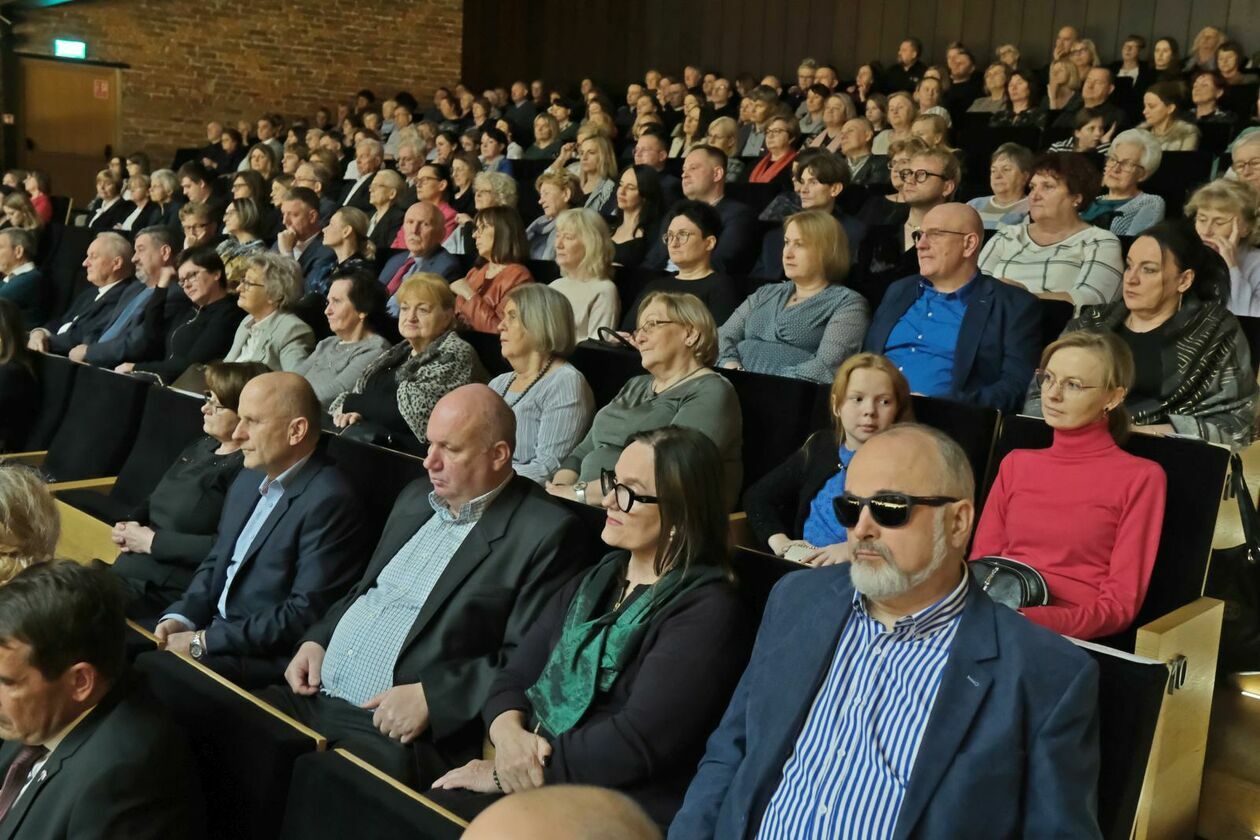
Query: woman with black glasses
pixel 620 680
pixel 1097 570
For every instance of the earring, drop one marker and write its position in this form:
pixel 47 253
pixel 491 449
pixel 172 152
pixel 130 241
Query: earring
pixel 673 531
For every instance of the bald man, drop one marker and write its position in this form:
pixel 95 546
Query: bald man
pixel 890 697
pixel 292 539
pixel 955 332
pixel 109 273
pixel 564 812
pixel 400 668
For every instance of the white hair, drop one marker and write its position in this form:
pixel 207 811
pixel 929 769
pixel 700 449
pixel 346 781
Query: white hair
pixel 1152 154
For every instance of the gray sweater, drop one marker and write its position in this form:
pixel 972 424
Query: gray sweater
pixel 335 365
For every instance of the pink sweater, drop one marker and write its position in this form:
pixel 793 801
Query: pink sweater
pixel 1087 515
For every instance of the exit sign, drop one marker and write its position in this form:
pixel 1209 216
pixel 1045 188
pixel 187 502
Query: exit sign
pixel 63 48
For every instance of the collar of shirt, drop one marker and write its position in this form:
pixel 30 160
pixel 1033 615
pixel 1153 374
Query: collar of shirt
pixel 21 269
pixel 261 321
pixel 962 293
pixel 100 293
pixel 281 481
pixel 55 741
pixel 471 510
pixel 930 619
pixel 300 249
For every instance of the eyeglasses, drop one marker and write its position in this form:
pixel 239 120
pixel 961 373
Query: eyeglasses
pixel 1246 165
pixel 681 237
pixel 933 234
pixel 623 496
pixel 1047 381
pixel 889 510
pixel 770 131
pixel 650 326
pixel 1123 165
pixel 185 279
pixel 248 284
pixel 213 404
pixel 918 176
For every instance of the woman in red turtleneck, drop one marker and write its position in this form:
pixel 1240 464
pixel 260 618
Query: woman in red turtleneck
pixel 1084 513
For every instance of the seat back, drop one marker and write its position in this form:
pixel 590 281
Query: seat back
pixel 1130 696
pixel 606 368
pixel 61 205
pixel 244 751
pixel 1178 173
pixel 1055 315
pixel 377 474
pixel 974 427
pixel 171 421
pixel 67 275
pixel 99 427
pixel 543 271
pixel 488 350
pixel 1196 474
pixel 1251 328
pixel 756 573
pixel 55 378
pixel 778 415
pixel 335 795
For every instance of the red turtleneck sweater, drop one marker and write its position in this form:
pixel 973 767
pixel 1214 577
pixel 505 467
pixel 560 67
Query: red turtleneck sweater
pixel 1087 515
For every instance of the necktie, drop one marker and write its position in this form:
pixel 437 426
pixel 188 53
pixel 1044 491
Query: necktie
pixel 15 778
pixel 124 318
pixel 397 279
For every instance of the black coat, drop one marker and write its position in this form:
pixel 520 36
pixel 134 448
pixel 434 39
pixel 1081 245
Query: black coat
pixel 778 502
pixel 181 337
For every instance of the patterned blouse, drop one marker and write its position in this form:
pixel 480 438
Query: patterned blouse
pixel 1087 265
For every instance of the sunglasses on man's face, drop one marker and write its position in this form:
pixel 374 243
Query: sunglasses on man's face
pixel 889 510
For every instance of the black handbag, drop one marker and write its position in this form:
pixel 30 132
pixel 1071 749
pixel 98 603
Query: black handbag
pixel 1234 577
pixel 1010 583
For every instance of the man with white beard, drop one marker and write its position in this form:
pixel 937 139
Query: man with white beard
pixel 889 696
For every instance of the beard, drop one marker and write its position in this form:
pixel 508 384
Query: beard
pixel 885 580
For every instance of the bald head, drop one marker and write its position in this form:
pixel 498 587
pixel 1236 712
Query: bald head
pixel 938 464
pixel 279 423
pixel 472 433
pixel 564 812
pixel 949 245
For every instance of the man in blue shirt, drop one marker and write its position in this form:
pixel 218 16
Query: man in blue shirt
pixel 955 332
pixel 879 702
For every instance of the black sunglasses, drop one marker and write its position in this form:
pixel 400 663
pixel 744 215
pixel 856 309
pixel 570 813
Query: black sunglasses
pixel 889 510
pixel 623 496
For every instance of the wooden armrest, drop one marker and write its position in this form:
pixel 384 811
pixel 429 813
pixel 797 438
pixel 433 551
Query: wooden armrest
pixel 401 788
pixel 142 631
pixel 103 485
pixel 31 459
pixel 84 538
pixel 1187 639
pixel 321 743
pixel 740 533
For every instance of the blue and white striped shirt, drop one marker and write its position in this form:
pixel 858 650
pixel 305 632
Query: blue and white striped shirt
pixel 848 772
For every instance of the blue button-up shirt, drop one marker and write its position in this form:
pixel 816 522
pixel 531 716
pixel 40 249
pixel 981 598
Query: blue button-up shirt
pixel 847 775
pixel 364 647
pixel 922 343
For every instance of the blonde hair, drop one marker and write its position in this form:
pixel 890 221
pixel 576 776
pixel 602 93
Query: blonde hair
pixel 29 523
pixel 1237 198
pixel 689 311
pixel 1074 74
pixel 870 361
pixel 1118 369
pixel 592 231
pixel 561 179
pixel 423 287
pixel 357 221
pixel 822 233
pixel 607 166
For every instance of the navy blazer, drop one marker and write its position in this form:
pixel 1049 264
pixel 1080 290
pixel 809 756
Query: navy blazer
pixel 89 317
pixel 311 549
pixel 317 263
pixel 1010 749
pixel 998 344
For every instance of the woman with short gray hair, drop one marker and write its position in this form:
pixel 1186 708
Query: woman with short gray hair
pixel 29 523
pixel 271 333
pixel 1123 208
pixel 551 399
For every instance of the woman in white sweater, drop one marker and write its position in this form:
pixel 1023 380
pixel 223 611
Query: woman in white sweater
pixel 584 252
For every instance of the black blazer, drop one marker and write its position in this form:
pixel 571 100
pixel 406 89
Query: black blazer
pixel 181 336
pixel 308 552
pixel 383 234
pixel 525 546
pixel 183 511
pixel 89 317
pixel 358 198
pixel 645 735
pixel 778 502
pixel 150 215
pixel 125 771
pixel 112 217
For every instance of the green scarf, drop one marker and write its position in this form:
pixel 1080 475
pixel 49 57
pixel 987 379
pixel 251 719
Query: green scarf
pixel 594 648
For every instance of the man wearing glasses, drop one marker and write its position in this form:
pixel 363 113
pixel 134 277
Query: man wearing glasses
pixel 889 696
pixel 953 331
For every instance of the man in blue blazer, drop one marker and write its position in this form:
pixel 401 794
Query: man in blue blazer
pixel 953 331
pixel 292 539
pixel 302 239
pixel 889 697
pixel 108 268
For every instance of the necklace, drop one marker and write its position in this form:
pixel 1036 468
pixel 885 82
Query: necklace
pixel 532 383
pixel 678 381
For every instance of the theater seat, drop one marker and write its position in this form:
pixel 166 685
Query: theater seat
pixel 778 415
pixel 757 573
pixel 377 474
pixel 337 795
pixel 68 277
pixel 973 427
pixel 171 421
pixel 606 368
pixel 55 376
pixel 1055 315
pixel 488 350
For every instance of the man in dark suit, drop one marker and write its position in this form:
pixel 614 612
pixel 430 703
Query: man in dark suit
pixel 87 752
pixel 399 669
pixel 889 696
pixel 652 149
pixel 108 265
pixel 292 539
pixel 20 281
pixel 423 231
pixel 953 331
pixel 369 156
pixel 704 179
pixel 302 239
pixel 865 168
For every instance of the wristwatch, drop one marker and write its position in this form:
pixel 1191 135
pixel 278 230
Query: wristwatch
pixel 197 646
pixel 579 491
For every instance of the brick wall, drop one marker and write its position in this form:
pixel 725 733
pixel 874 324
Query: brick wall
pixel 196 60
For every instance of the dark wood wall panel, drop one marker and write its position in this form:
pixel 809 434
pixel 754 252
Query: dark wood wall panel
pixel 616 40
